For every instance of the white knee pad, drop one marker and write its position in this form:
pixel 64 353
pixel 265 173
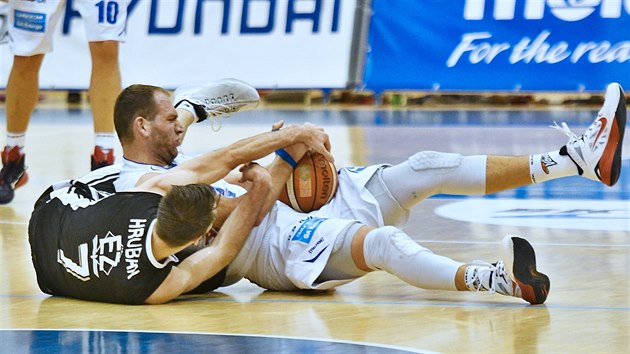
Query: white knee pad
pixel 388 243
pixel 429 173
pixel 391 250
pixel 426 160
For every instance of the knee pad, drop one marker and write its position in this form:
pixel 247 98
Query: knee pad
pixel 426 160
pixel 385 244
pixel 452 173
pixel 391 250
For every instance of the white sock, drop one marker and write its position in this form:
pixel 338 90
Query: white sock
pixel 105 141
pixel 391 250
pixel 552 165
pixel 185 105
pixel 16 139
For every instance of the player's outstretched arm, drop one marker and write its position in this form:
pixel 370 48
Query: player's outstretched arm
pixel 208 261
pixel 212 166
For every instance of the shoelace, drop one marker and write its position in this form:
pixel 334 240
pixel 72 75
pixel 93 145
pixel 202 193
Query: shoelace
pixel 564 128
pixel 216 112
pixel 487 267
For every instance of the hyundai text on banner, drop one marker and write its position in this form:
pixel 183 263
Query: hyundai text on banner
pixel 268 43
pixel 557 45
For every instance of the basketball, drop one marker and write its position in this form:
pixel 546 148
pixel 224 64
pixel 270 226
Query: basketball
pixel 312 184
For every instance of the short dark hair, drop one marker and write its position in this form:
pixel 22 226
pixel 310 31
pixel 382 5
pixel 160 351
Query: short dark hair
pixel 135 100
pixel 185 213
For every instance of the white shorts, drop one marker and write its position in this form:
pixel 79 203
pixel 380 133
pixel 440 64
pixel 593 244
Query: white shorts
pixel 273 261
pixel 288 251
pixel 32 23
pixel 354 201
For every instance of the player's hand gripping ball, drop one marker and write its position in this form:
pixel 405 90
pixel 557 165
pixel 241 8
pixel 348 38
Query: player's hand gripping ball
pixel 312 184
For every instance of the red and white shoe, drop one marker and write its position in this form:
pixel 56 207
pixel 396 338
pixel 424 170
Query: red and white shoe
pixel 102 158
pixel 597 153
pixel 515 276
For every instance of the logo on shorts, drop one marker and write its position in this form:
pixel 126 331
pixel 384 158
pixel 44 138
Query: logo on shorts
pixel 355 169
pixel 29 21
pixel 306 230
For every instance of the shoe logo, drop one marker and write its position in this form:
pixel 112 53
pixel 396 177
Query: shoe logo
pixel 579 151
pixel 601 130
pixel 545 162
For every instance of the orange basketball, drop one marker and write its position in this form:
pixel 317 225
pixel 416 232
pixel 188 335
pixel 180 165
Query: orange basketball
pixel 312 184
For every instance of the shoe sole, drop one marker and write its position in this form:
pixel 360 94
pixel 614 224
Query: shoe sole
pixel 9 192
pixel 609 166
pixel 522 268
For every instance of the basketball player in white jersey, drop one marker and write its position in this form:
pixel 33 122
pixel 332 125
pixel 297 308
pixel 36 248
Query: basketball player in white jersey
pixel 368 195
pixel 31 26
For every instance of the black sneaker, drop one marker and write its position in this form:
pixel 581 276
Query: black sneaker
pixel 13 174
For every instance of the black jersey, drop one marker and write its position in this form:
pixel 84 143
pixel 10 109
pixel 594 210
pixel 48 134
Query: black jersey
pixel 97 247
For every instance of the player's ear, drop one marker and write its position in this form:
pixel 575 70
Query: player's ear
pixel 142 126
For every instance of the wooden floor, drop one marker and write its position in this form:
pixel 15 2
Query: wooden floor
pixel 583 245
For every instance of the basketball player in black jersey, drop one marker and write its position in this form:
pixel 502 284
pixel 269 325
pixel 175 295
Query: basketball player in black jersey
pixel 121 248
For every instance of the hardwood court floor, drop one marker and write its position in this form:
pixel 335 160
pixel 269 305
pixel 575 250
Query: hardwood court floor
pixel 581 234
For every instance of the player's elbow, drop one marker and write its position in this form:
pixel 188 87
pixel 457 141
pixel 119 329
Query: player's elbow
pixel 232 157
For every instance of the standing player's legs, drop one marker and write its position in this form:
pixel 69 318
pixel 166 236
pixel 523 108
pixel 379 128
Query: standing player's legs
pixel 104 27
pixel 105 85
pixel 595 155
pixel 22 97
pixel 31 26
pixel 393 251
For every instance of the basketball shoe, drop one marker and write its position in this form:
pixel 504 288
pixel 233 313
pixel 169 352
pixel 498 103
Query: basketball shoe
pixel 218 98
pixel 101 159
pixel 13 174
pixel 515 276
pixel 597 153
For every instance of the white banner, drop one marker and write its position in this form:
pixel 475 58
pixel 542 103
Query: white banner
pixel 268 43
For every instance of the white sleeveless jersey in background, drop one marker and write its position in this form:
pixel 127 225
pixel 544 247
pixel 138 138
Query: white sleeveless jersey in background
pixel 32 23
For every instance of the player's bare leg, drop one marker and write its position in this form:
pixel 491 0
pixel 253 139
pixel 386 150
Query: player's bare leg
pixel 22 97
pixel 105 85
pixel 506 172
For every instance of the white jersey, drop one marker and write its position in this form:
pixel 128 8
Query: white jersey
pixel 352 200
pixel 32 23
pixel 288 250
pixel 131 172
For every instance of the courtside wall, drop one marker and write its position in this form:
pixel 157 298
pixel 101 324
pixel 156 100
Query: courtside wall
pixel 463 45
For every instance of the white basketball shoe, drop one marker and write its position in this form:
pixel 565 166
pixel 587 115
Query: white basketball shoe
pixel 515 276
pixel 597 153
pixel 217 99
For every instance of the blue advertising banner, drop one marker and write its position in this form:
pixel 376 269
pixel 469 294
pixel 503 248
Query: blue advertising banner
pixel 499 45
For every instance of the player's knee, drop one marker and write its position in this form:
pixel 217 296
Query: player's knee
pixel 428 160
pixel 387 244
